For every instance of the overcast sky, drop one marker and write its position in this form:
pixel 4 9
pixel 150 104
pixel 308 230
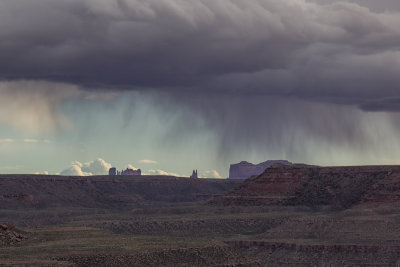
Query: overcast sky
pixel 175 85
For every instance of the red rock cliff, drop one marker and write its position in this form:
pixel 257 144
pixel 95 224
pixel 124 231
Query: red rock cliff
pixel 312 186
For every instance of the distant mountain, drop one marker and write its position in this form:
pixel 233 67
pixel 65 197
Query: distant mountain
pixel 246 169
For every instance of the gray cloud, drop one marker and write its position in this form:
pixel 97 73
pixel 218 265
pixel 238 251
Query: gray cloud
pixel 339 52
pixel 378 6
pixel 387 104
pixel 252 80
pixel 35 106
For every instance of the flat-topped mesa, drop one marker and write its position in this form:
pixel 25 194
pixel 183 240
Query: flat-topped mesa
pixel 300 184
pixel 244 169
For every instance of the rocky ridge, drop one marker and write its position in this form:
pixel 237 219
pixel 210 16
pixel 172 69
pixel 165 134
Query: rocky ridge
pixel 308 185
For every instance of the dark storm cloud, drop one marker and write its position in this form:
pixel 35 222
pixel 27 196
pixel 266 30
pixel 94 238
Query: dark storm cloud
pixel 379 6
pixel 389 104
pixel 337 52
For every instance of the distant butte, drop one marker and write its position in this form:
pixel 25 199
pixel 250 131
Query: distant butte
pixel 244 169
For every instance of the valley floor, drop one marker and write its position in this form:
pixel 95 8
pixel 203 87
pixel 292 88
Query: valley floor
pixel 187 234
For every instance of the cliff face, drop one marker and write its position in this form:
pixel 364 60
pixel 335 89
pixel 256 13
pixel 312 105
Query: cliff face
pixel 246 169
pixel 312 186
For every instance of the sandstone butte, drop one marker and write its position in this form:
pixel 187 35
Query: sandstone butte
pixel 244 169
pixel 300 184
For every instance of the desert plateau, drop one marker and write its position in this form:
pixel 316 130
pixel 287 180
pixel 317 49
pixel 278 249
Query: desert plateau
pixel 294 215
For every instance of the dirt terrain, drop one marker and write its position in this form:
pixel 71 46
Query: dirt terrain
pixel 288 216
pixel 44 191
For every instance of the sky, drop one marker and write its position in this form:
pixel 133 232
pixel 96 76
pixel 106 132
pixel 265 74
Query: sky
pixel 175 85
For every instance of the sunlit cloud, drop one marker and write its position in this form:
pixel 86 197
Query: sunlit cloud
pixel 96 167
pixel 42 173
pixel 10 168
pixel 161 172
pixel 210 174
pixel 6 140
pixel 130 166
pixel 33 106
pixel 148 161
pixel 28 140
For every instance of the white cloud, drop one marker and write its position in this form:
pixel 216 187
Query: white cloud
pixel 6 140
pixel 160 172
pixel 75 170
pixel 130 166
pixel 9 168
pixel 148 161
pixel 210 174
pixel 31 141
pixel 28 140
pixel 96 167
pixel 42 173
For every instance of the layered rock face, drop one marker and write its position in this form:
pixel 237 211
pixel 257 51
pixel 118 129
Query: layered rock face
pixel 246 169
pixel 312 186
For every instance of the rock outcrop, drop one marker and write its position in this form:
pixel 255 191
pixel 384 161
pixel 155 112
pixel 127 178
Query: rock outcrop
pixel 306 185
pixel 246 169
pixel 9 235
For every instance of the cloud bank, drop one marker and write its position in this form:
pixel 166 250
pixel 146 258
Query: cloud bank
pixel 311 81
pixel 33 106
pixel 96 167
pixel 148 161
pixel 160 172
pixel 210 174
pixel 332 51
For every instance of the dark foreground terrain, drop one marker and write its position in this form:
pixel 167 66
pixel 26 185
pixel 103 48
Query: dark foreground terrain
pixel 288 216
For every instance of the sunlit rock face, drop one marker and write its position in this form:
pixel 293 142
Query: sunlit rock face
pixel 246 169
